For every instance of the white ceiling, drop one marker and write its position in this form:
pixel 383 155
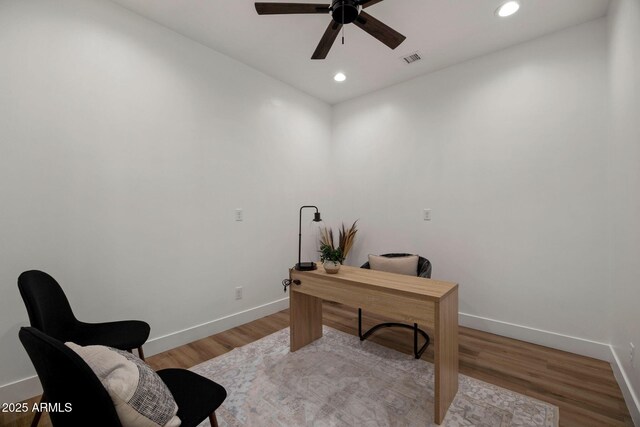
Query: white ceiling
pixel 444 32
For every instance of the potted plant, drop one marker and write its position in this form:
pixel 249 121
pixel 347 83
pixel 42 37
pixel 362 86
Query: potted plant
pixel 331 258
pixel 346 238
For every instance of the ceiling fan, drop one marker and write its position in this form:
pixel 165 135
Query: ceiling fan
pixel 342 12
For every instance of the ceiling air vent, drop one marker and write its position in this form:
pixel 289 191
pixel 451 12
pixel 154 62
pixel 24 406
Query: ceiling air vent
pixel 412 58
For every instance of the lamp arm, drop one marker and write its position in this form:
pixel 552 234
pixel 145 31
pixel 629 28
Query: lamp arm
pixel 300 231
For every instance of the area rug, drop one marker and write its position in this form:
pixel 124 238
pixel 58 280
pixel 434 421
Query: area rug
pixel 340 381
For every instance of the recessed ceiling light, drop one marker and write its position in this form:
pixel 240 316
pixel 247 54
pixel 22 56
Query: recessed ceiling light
pixel 508 9
pixel 340 77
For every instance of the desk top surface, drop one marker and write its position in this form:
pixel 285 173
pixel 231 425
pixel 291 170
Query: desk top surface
pixel 433 289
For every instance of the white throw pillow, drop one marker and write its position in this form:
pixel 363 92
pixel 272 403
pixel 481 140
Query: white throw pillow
pixel 400 265
pixel 140 397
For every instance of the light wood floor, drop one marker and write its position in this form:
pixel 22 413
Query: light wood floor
pixel 584 389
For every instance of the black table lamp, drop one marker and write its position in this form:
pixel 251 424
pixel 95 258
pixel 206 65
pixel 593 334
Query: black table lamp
pixel 306 266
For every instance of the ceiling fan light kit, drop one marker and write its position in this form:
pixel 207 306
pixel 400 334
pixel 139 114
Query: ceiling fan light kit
pixel 342 12
pixel 345 11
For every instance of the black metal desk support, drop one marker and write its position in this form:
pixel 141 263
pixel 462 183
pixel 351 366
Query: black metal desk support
pixel 416 352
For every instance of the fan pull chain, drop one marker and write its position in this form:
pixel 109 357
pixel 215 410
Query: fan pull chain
pixel 343 26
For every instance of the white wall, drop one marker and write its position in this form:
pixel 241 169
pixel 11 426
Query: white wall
pixel 508 151
pixel 624 201
pixel 124 150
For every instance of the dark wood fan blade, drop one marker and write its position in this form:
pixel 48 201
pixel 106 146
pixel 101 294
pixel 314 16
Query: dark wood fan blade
pixel 367 3
pixel 289 8
pixel 327 40
pixel 377 29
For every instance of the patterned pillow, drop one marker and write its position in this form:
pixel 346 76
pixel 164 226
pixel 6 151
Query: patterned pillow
pixel 140 397
pixel 401 265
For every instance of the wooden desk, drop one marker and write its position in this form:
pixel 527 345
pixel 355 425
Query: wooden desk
pixel 429 303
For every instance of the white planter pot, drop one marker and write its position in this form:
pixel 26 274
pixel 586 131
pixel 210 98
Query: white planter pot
pixel 331 267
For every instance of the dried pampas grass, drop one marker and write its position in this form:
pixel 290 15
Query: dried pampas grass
pixel 346 237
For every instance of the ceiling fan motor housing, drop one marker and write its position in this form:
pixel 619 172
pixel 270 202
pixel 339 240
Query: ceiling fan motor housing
pixel 344 11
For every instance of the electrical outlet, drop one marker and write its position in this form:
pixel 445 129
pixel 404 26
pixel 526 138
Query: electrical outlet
pixel 632 355
pixel 426 214
pixel 239 214
pixel 239 292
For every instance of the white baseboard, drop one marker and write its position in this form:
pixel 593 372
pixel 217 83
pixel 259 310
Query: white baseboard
pixel 20 390
pixel 29 387
pixel 185 336
pixel 630 397
pixel 568 343
pixel 576 345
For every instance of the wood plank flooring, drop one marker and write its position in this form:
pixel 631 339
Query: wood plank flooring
pixel 584 389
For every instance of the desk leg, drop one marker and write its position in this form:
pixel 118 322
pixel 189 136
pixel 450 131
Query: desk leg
pixel 446 354
pixel 305 314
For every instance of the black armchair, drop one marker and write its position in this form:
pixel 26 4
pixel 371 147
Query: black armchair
pixel 424 270
pixel 50 312
pixel 68 380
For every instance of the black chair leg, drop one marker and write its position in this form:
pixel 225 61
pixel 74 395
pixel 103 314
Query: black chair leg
pixel 213 420
pixel 36 419
pixel 360 324
pixel 38 414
